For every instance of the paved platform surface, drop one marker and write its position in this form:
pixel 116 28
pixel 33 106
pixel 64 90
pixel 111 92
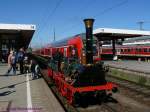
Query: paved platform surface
pixel 19 93
pixel 131 65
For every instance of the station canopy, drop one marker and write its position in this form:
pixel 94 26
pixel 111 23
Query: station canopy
pixel 22 33
pixel 109 34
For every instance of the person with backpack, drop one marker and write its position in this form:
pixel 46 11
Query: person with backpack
pixel 11 62
pixel 20 58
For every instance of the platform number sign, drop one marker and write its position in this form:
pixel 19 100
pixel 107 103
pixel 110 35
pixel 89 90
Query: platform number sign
pixel 32 27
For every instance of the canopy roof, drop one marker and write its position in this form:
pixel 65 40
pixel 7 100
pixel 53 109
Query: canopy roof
pixel 110 34
pixel 22 32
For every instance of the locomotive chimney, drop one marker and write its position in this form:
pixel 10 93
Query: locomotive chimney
pixel 89 40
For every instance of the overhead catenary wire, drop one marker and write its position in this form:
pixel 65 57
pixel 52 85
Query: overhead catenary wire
pixel 111 8
pixel 40 21
pixel 75 25
pixel 100 13
pixel 48 18
pixel 70 20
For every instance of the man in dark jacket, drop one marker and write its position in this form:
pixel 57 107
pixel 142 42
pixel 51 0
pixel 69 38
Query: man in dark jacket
pixel 20 57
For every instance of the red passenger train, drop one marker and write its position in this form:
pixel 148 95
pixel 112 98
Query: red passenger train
pixel 68 45
pixel 128 51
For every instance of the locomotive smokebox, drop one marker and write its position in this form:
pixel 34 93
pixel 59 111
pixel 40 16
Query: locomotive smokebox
pixel 89 40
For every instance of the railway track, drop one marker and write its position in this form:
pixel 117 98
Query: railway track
pixel 130 85
pixel 133 90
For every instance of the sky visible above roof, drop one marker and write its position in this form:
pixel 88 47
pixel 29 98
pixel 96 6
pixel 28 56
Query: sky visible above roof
pixel 66 16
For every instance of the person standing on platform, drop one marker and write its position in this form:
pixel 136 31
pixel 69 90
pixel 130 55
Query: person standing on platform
pixel 20 59
pixel 11 62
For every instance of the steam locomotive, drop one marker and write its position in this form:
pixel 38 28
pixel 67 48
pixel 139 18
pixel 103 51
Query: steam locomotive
pixel 76 69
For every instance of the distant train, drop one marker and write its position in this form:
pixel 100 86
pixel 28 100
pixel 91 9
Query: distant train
pixel 127 51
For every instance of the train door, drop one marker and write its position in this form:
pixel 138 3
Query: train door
pixel 118 51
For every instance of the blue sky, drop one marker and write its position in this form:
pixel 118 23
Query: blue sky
pixel 67 18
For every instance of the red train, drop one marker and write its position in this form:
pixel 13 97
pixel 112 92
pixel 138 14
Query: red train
pixel 130 51
pixel 91 81
pixel 66 47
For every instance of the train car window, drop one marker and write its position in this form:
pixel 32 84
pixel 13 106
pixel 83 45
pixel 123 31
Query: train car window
pixel 121 50
pixel 128 50
pixel 136 50
pixel 145 49
pixel 118 50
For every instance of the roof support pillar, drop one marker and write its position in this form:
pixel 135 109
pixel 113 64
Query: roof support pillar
pixel 114 49
pixel 0 49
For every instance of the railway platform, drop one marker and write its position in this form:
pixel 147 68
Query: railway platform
pixel 134 71
pixel 19 93
pixel 138 66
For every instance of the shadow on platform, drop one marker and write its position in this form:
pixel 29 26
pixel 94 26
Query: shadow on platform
pixel 13 85
pixel 6 93
pixel 7 75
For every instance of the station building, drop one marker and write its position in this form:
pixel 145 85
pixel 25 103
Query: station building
pixel 14 37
